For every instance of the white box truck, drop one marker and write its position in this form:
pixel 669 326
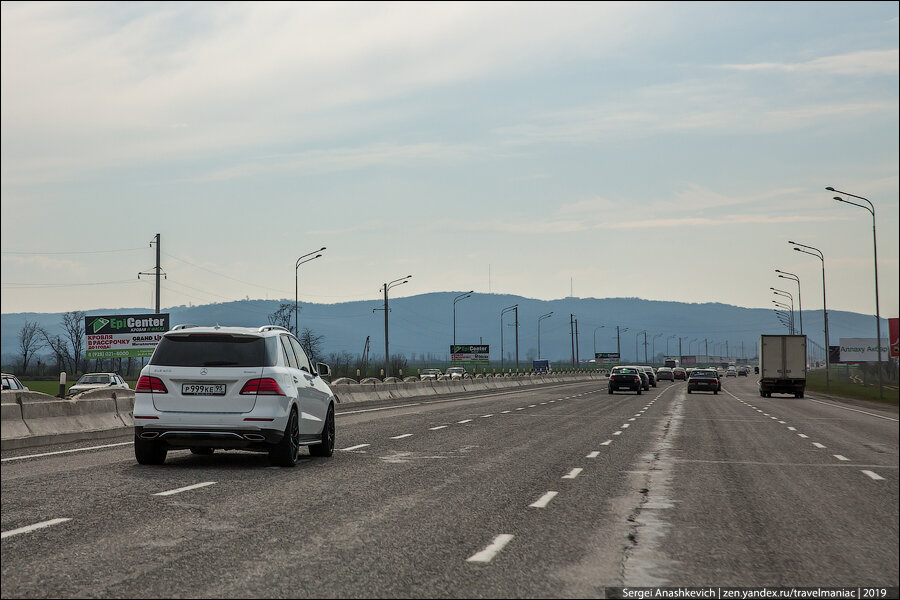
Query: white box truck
pixel 782 365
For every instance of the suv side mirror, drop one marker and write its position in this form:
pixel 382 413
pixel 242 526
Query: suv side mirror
pixel 323 369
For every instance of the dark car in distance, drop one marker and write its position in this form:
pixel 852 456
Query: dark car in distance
pixel 705 380
pixel 626 378
pixel 679 373
pixel 651 375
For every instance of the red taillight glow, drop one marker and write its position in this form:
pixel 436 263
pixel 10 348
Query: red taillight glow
pixel 150 384
pixel 637 378
pixel 265 386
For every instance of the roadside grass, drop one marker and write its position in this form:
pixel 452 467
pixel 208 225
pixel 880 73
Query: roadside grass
pixel 842 386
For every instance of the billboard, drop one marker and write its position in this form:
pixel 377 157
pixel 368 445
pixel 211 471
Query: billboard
pixel 470 354
pixel 123 336
pixel 855 350
pixel 894 336
pixel 606 358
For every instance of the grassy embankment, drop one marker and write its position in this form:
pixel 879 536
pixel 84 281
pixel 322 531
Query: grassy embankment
pixel 842 385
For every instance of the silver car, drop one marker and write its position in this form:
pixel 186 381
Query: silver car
pixel 96 381
pixel 209 388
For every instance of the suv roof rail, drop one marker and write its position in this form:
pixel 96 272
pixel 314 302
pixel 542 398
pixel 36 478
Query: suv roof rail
pixel 271 327
pixel 183 326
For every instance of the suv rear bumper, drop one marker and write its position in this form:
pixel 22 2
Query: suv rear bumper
pixel 193 437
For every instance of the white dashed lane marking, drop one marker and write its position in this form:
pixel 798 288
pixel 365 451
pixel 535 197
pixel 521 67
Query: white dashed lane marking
pixel 34 527
pixel 544 500
pixel 356 447
pixel 606 443
pixel 874 475
pixel 464 421
pixel 573 473
pixel 185 489
pixel 401 436
pixel 438 427
pixel 617 433
pixel 841 457
pixel 817 445
pixel 486 555
pixel 593 454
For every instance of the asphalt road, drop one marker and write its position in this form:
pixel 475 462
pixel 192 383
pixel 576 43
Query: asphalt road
pixel 549 492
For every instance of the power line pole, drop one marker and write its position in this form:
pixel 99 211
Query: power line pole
pixel 572 335
pixel 577 356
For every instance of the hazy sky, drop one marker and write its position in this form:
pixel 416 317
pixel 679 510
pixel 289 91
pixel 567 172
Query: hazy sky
pixel 662 150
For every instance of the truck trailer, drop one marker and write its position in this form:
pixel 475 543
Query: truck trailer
pixel 782 365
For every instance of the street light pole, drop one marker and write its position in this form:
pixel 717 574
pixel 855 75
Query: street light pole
pixel 299 262
pixel 619 341
pixel 788 295
pixel 653 344
pixel 667 343
pixel 818 254
pixel 503 312
pixel 871 209
pixel 541 318
pixel 637 358
pixel 786 275
pixel 455 300
pixel 387 354
pixel 596 329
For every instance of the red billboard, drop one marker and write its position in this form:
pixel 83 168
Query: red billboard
pixel 894 327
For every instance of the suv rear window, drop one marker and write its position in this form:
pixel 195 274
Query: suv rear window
pixel 211 350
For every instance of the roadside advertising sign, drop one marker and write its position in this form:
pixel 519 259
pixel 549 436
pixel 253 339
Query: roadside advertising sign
pixel 688 361
pixel 606 358
pixel 854 350
pixel 834 355
pixel 894 328
pixel 470 354
pixel 124 336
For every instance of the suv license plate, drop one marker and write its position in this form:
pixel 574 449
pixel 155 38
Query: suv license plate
pixel 203 389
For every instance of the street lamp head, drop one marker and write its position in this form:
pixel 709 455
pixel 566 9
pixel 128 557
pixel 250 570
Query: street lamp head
pixel 830 189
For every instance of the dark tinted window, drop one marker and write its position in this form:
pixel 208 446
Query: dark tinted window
pixel 302 359
pixel 213 350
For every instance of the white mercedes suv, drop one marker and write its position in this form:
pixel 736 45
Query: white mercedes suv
pixel 232 388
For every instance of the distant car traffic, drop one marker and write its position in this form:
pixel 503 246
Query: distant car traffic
pixel 626 378
pixel 665 373
pixel 731 372
pixel 679 373
pixel 457 373
pixel 703 380
pixel 12 383
pixel 95 381
pixel 743 372
pixel 430 374
pixel 650 375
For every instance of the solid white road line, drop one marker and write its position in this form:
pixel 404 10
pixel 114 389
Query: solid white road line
pixel 438 427
pixel 491 551
pixel 840 457
pixel 401 436
pixel 874 475
pixel 606 443
pixel 573 473
pixel 464 421
pixel 593 454
pixel 853 409
pixel 544 500
pixel 186 488
pixel 817 445
pixel 66 451
pixel 356 447
pixel 362 410
pixel 28 528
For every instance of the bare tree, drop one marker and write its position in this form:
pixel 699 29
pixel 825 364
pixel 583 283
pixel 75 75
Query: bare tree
pixel 59 347
pixel 283 317
pixel 312 343
pixel 30 341
pixel 73 323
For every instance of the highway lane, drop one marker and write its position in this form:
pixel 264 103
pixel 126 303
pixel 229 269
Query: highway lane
pixel 660 488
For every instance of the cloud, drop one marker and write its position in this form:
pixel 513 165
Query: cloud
pixel 862 63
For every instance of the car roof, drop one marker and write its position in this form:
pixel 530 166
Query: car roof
pixel 264 330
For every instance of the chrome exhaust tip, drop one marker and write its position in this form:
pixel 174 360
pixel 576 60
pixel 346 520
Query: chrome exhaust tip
pixel 254 437
pixel 149 435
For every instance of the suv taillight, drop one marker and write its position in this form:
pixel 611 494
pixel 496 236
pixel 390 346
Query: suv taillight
pixel 151 384
pixel 265 386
